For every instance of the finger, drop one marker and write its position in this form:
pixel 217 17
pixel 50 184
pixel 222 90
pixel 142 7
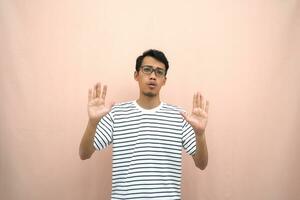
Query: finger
pixel 195 101
pixel 104 92
pixel 203 101
pixel 207 106
pixel 94 91
pixel 199 100
pixel 90 95
pixel 98 90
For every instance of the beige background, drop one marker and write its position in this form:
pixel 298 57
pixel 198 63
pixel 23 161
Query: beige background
pixel 242 54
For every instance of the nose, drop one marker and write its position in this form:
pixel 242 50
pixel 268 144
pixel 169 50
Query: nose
pixel 153 76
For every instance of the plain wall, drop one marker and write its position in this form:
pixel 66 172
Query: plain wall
pixel 243 55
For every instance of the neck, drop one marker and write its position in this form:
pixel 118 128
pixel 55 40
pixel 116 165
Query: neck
pixel 148 102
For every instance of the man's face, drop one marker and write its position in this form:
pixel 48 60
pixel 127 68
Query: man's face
pixel 150 84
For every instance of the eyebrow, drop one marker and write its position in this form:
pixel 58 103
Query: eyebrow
pixel 153 67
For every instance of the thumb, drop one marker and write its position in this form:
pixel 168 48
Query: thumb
pixel 185 116
pixel 107 108
pixel 111 104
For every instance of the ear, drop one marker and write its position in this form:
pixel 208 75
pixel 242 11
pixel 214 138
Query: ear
pixel 136 74
pixel 165 80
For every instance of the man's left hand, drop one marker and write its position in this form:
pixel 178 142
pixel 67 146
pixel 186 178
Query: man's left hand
pixel 198 118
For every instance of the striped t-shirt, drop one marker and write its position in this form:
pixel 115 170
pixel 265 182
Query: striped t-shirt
pixel 147 147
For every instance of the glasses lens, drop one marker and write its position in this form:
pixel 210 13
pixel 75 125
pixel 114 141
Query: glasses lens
pixel 147 69
pixel 160 72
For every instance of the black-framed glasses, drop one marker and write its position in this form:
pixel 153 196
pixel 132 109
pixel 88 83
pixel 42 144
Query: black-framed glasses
pixel 148 69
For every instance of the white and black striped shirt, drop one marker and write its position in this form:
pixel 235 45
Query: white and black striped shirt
pixel 147 147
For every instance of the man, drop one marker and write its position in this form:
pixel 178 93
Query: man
pixel 147 135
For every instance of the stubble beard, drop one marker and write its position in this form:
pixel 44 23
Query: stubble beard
pixel 149 94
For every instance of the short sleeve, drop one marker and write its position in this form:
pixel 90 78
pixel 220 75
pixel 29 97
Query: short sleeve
pixel 104 132
pixel 188 138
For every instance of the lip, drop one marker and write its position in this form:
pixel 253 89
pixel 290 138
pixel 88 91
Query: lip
pixel 152 84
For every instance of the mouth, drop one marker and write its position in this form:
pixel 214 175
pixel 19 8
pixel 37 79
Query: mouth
pixel 152 85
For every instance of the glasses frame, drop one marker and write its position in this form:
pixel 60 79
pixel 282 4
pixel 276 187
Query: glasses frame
pixel 155 70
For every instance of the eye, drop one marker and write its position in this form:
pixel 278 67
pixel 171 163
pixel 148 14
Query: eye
pixel 160 72
pixel 147 69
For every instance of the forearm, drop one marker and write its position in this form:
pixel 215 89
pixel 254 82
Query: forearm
pixel 201 155
pixel 86 148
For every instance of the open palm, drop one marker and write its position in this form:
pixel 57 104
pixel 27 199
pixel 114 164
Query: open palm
pixel 199 116
pixel 96 103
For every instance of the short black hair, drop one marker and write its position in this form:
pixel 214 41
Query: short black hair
pixel 158 55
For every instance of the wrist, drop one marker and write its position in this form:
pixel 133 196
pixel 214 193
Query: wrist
pixel 92 123
pixel 200 134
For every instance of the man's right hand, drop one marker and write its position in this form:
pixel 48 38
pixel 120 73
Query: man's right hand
pixel 96 103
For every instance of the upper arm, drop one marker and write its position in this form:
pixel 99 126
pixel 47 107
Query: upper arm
pixel 104 133
pixel 188 138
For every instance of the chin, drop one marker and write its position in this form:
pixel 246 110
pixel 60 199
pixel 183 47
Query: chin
pixel 149 94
